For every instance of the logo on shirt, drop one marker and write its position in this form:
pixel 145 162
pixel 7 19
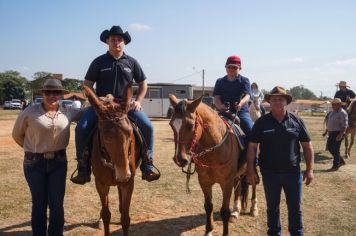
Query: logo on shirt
pixel 291 129
pixel 105 69
pixel 269 131
pixel 128 70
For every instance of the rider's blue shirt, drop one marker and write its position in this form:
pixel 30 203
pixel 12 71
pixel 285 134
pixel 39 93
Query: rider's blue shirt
pixel 232 91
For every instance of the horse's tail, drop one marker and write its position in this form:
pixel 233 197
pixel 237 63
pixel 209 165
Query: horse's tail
pixel 244 192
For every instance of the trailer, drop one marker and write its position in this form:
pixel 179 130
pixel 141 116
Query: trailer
pixel 156 102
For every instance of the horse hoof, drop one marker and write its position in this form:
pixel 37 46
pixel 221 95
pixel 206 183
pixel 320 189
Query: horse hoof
pixel 233 217
pixel 254 213
pixel 101 224
pixel 209 234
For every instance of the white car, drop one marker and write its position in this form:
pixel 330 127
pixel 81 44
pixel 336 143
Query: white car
pixel 7 105
pixel 15 104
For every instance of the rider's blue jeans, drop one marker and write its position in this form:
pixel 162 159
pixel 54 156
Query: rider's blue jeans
pixel 46 180
pixel 291 183
pixel 87 124
pixel 246 122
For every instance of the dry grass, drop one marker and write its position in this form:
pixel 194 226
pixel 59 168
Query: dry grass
pixel 163 207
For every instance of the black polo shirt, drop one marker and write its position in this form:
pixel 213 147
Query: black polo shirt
pixel 279 142
pixel 113 75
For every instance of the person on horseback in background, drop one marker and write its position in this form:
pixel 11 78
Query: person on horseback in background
pixel 344 94
pixel 112 72
pixel 257 94
pixel 235 90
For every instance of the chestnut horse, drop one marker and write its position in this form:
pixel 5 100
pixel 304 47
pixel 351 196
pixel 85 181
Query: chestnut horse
pixel 351 128
pixel 201 134
pixel 113 154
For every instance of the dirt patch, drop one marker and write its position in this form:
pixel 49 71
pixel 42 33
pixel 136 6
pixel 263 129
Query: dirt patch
pixel 164 208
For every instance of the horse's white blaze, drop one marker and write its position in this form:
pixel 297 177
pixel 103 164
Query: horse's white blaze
pixel 177 125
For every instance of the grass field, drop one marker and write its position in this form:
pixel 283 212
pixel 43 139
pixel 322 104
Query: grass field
pixel 163 207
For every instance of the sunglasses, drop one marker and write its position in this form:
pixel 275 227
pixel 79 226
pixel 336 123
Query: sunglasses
pixel 53 93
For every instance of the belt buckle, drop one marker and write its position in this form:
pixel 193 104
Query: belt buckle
pixel 48 155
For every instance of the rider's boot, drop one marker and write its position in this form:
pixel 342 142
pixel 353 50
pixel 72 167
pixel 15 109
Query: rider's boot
pixel 84 170
pixel 147 170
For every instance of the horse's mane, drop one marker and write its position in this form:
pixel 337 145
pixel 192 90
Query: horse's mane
pixel 352 106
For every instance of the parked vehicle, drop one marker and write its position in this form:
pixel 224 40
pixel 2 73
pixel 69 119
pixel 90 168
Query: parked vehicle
pixel 65 103
pixel 7 105
pixel 37 100
pixel 15 104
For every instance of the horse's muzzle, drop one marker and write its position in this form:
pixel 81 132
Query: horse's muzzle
pixel 180 161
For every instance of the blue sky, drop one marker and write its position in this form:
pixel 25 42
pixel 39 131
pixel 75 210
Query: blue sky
pixel 288 43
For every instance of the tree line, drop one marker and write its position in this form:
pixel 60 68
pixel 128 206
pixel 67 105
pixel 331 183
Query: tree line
pixel 15 86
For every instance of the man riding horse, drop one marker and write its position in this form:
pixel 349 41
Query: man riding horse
pixel 112 72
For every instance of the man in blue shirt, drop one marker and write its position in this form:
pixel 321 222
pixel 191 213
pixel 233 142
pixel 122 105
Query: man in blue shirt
pixel 344 94
pixel 234 89
pixel 112 72
pixel 279 136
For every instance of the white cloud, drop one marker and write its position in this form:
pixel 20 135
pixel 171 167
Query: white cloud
pixel 139 27
pixel 297 59
pixel 346 62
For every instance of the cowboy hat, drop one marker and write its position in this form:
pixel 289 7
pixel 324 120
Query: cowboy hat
pixel 337 101
pixel 279 91
pixel 343 84
pixel 115 30
pixel 53 85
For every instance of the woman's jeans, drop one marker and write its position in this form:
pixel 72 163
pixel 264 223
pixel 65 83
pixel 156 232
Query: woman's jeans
pixel 334 147
pixel 47 180
pixel 89 119
pixel 291 182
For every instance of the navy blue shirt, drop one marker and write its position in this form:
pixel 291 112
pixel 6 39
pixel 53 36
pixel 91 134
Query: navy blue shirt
pixel 279 141
pixel 344 95
pixel 232 91
pixel 113 75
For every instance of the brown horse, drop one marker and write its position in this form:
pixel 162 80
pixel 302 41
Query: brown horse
pixel 351 129
pixel 203 137
pixel 113 154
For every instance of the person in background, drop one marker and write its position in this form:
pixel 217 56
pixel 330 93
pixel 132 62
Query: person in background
pixel 234 89
pixel 43 131
pixel 344 94
pixel 336 124
pixel 257 94
pixel 279 136
pixel 112 72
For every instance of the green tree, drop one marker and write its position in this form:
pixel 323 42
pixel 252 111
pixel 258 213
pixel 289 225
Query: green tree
pixel 72 85
pixel 12 85
pixel 299 92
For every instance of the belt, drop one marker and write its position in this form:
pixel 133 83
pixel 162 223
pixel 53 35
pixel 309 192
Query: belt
pixel 47 155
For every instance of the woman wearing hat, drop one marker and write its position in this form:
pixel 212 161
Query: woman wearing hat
pixel 42 131
pixel 279 136
pixel 336 124
pixel 344 93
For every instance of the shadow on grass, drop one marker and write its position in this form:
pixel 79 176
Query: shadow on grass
pixel 320 157
pixel 25 232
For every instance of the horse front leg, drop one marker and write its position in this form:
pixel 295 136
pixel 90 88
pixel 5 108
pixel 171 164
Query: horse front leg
pixel 225 210
pixel 254 209
pixel 346 146
pixel 125 193
pixel 235 213
pixel 208 205
pixel 105 213
pixel 352 139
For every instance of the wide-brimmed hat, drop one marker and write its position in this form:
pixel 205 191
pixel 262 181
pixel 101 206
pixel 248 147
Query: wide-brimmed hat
pixel 233 61
pixel 115 30
pixel 337 101
pixel 53 85
pixel 343 84
pixel 279 91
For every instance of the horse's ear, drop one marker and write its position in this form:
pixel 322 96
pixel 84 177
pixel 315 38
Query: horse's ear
pixel 194 104
pixel 173 100
pixel 93 99
pixel 128 93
